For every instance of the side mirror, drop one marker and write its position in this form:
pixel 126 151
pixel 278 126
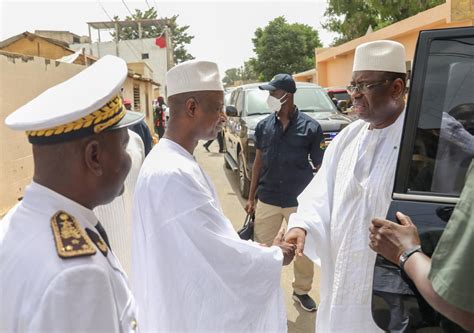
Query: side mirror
pixel 231 111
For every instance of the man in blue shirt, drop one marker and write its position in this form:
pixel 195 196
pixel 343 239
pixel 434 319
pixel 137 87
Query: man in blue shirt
pixel 281 171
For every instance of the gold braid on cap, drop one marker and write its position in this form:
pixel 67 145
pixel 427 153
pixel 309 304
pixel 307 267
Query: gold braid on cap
pixel 108 115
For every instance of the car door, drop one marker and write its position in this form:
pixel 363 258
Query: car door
pixel 436 150
pixel 231 137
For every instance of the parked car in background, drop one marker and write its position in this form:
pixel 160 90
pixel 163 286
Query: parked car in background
pixel 339 93
pixel 340 97
pixel 227 95
pixel 435 152
pixel 247 106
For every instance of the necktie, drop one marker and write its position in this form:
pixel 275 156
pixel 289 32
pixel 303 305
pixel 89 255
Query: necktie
pixel 103 234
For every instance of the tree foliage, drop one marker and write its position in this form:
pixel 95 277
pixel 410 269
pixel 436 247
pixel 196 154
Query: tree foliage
pixel 245 73
pixel 283 48
pixel 231 76
pixel 179 35
pixel 352 18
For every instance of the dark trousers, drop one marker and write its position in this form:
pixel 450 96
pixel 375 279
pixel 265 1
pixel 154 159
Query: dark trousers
pixel 220 140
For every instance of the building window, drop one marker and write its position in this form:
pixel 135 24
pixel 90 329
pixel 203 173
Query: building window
pixel 145 56
pixel 75 40
pixel 136 98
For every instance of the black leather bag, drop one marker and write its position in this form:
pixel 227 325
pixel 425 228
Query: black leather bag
pixel 246 232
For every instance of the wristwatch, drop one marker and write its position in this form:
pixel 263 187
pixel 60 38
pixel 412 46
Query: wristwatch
pixel 405 255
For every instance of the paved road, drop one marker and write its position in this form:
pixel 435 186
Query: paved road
pixel 226 183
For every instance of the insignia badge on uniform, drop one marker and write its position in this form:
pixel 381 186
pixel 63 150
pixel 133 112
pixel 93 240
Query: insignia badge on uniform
pixel 71 240
pixel 98 241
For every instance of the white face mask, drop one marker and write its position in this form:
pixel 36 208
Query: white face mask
pixel 274 104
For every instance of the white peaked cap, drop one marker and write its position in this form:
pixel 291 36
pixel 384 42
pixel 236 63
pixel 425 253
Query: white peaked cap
pixel 72 99
pixel 381 55
pixel 87 103
pixel 193 75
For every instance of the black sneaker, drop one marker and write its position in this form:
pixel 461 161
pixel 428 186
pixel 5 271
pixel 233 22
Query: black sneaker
pixel 306 302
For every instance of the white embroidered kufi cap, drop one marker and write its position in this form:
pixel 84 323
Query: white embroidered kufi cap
pixel 381 55
pixel 193 75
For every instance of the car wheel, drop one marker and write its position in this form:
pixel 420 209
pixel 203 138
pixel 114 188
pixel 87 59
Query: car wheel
pixel 244 182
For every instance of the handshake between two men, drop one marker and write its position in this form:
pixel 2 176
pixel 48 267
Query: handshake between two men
pixel 288 248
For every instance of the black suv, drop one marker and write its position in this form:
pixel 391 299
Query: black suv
pixel 247 106
pixel 436 149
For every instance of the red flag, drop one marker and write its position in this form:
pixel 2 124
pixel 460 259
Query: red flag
pixel 161 42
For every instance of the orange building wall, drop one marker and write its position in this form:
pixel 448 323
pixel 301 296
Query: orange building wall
pixel 339 71
pixel 334 65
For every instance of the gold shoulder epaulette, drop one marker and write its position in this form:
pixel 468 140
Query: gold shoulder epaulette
pixel 71 240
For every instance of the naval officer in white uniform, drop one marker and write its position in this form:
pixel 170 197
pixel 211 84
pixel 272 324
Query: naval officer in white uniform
pixel 57 271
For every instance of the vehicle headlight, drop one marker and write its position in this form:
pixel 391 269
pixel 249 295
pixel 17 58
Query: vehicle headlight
pixel 251 137
pixel 251 134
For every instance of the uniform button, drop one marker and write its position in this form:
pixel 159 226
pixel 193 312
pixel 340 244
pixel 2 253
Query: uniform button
pixel 134 324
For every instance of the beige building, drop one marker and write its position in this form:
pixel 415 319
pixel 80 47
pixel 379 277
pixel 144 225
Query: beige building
pixel 306 76
pixel 34 45
pixel 141 90
pixel 333 66
pixel 25 77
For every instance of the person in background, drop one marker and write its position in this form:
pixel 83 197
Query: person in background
pixel 141 128
pixel 285 141
pixel 116 217
pixel 159 117
pixel 220 140
pixel 333 98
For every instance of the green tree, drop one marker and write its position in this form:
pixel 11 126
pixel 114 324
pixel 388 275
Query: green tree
pixel 246 72
pixel 179 35
pixel 231 75
pixel 352 18
pixel 283 48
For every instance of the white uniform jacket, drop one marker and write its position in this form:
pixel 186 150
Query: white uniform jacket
pixel 83 291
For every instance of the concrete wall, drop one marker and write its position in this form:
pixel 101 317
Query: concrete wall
pixel 131 51
pixel 22 79
pixel 64 36
pixel 141 68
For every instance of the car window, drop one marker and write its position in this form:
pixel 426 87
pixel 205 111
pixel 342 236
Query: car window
pixel 444 142
pixel 256 102
pixel 239 105
pixel 233 97
pixel 342 96
pixel 313 99
pixel 307 99
pixel 227 98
